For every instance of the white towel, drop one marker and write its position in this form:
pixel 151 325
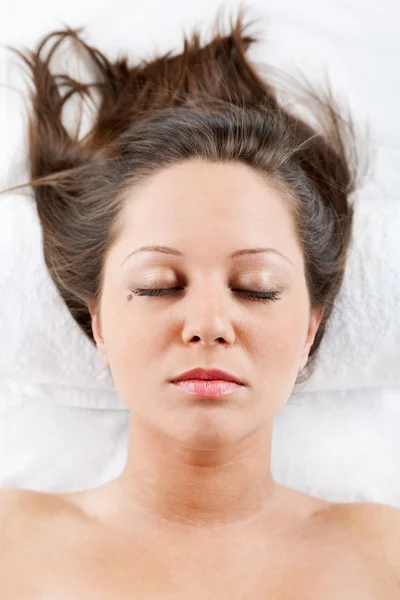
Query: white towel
pixel 361 346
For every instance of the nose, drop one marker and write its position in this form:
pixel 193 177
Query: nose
pixel 207 318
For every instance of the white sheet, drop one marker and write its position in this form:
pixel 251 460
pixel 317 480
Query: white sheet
pixel 340 445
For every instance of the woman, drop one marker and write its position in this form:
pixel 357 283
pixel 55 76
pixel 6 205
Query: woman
pixel 199 225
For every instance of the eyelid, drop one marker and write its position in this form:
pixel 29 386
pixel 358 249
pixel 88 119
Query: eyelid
pixel 155 275
pixel 254 295
pixel 255 279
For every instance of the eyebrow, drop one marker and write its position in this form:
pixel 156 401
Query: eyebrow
pixel 167 250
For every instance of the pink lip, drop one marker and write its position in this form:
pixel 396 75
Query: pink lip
pixel 207 375
pixel 212 388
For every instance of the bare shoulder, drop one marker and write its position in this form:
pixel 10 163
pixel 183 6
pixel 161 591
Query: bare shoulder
pixel 32 523
pixel 374 519
pixel 15 497
pixel 374 523
pixel 24 501
pixel 23 512
pixel 17 507
pixel 16 502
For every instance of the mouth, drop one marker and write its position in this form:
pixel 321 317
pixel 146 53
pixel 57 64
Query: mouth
pixel 212 388
pixel 207 375
pixel 207 383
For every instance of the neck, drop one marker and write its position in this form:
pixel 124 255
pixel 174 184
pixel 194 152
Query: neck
pixel 204 488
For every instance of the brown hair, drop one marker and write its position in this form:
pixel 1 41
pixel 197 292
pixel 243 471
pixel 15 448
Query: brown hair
pixel 210 102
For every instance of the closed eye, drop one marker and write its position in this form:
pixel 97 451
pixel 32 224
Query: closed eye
pixel 253 295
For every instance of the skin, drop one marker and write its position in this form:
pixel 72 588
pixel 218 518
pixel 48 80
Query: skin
pixel 191 461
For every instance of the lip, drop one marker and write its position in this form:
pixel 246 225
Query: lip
pixel 207 375
pixel 207 388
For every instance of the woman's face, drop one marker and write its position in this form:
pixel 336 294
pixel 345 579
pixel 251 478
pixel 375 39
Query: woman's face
pixel 205 212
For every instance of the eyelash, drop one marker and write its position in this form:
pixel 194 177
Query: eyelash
pixel 258 296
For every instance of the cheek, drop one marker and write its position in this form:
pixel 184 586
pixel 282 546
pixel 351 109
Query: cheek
pixel 279 339
pixel 134 340
pixel 276 358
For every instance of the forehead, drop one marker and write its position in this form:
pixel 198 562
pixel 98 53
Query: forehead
pixel 196 188
pixel 210 206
